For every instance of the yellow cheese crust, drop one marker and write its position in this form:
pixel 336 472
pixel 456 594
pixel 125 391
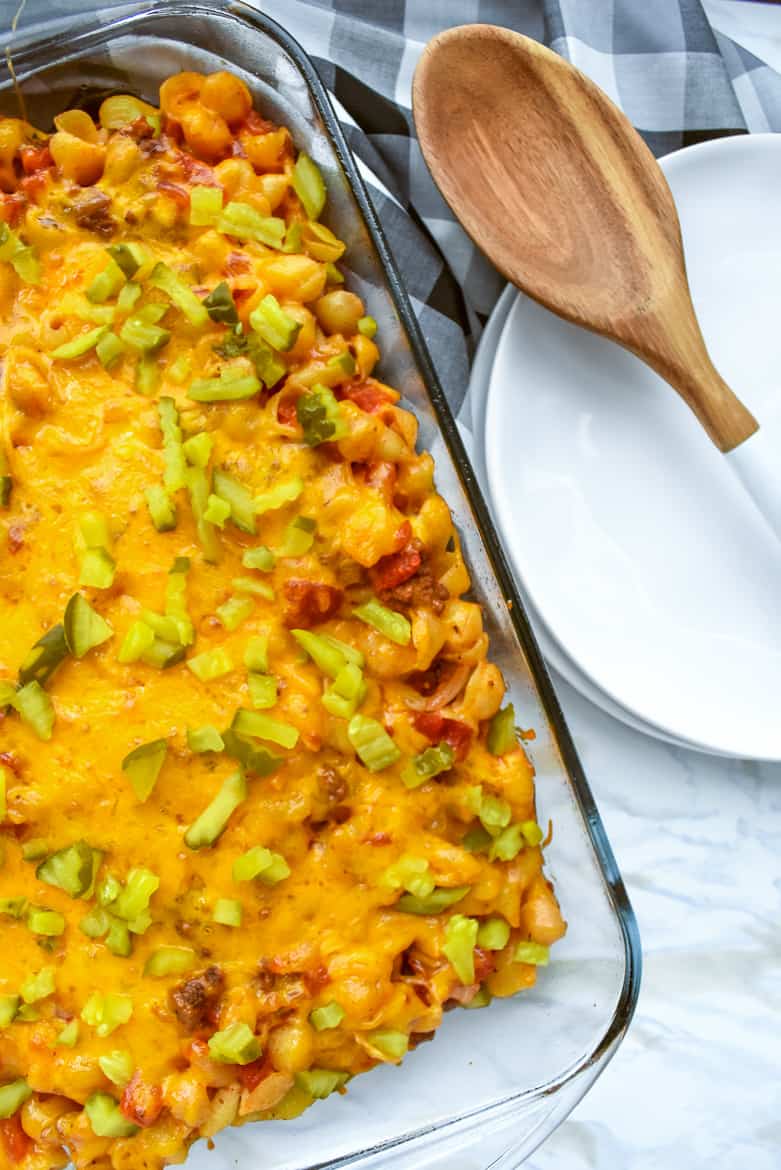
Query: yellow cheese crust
pixel 371 777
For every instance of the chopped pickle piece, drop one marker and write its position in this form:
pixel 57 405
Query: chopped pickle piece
pixel 97 568
pixel 320 416
pixel 142 766
pixel 211 664
pixel 255 760
pixel 69 1035
pixel 226 388
pixel 84 627
pixel 502 736
pixel 235 1045
pixel 162 509
pixel 320 1083
pixel 170 961
pixel 234 611
pixel 217 511
pixel 35 849
pixel 252 723
pixel 79 345
pixel 459 946
pixel 260 558
pixel 373 746
pixel 220 305
pixel 277 328
pixel 507 845
pixel 433 903
pixel 257 588
pixel 227 912
pixel 198 449
pixel 197 482
pixel 277 497
pixel 181 294
pixel 204 739
pixel 70 869
pixel 262 690
pixel 45 922
pixel 39 986
pixel 533 953
pixel 106 1013
pixel 137 641
pixel 109 350
pixel 493 934
pixel 428 764
pixel 106 1118
pixel 367 326
pixel 117 1066
pixel 214 819
pixel 242 511
pixel 129 257
pixel 256 653
pixel 107 283
pixel 244 222
pixel 144 335
pixel 262 863
pixel 9 1005
pixel 36 709
pixel 298 538
pixel 205 206
pixel 134 898
pixel 393 625
pixel 13 1095
pixel 329 1016
pixel 309 186
pixel 173 453
pixel 495 814
pixel 391 1045
pixel 48 653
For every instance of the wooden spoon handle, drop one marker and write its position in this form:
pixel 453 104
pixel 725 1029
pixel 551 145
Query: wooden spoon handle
pixel 673 345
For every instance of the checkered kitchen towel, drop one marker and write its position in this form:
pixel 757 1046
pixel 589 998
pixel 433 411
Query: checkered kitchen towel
pixel 660 60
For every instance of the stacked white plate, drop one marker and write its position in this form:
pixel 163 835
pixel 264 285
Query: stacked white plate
pixel 652 583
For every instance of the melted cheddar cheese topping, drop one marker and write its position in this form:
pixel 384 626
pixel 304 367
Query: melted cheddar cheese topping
pixel 262 813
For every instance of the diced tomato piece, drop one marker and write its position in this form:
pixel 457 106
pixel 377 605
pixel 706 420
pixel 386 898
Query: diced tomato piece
pixel 141 1103
pixel 439 729
pixel 257 125
pixel 311 602
pixel 369 396
pixel 172 129
pixel 237 262
pixel 33 184
pixel 383 475
pixel 15 1141
pixel 179 195
pixel 252 1074
pixel 316 979
pixel 199 173
pixel 396 568
pixel 35 158
pixel 485 963
pixel 12 207
pixel 286 412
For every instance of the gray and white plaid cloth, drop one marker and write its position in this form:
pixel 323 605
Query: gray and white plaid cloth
pixel 660 60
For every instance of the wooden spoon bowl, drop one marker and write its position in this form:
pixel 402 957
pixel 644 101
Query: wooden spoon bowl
pixel 555 185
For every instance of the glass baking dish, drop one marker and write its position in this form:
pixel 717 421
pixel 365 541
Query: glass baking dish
pixel 496 1082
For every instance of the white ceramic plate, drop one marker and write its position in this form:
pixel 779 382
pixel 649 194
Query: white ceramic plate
pixel 633 542
pixel 555 655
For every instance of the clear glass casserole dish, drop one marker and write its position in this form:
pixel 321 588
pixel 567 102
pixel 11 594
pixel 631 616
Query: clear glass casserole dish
pixel 495 1083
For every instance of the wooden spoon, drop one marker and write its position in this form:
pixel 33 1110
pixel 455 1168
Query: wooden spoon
pixel 558 189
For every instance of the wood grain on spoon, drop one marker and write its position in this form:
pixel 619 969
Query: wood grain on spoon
pixel 556 186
